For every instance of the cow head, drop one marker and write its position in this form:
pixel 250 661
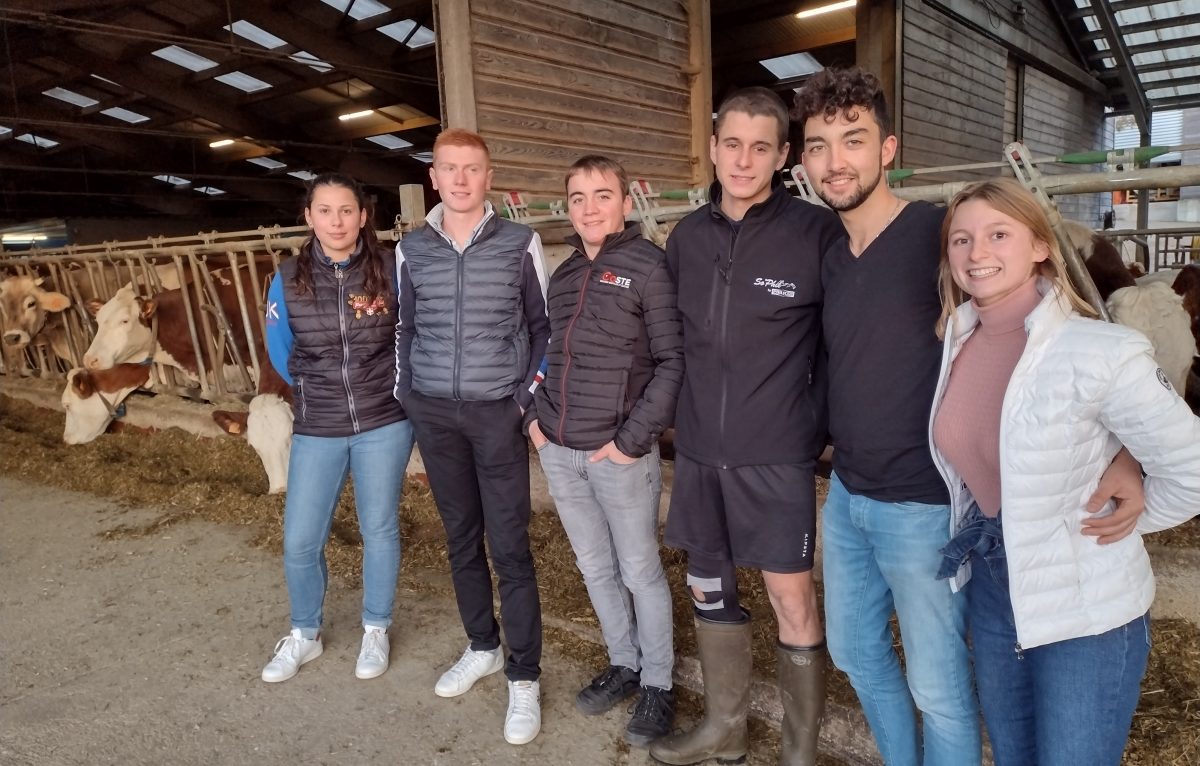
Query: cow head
pixel 90 399
pixel 123 332
pixel 269 432
pixel 23 309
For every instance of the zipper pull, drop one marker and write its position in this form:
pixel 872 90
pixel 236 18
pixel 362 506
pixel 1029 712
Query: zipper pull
pixel 339 272
pixel 1017 649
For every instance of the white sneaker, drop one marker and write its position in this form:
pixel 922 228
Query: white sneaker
pixel 373 657
pixel 471 667
pixel 524 718
pixel 292 651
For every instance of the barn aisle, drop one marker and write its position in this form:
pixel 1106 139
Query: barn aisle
pixel 147 650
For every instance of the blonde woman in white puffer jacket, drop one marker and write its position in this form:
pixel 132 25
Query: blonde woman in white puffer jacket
pixel 1034 400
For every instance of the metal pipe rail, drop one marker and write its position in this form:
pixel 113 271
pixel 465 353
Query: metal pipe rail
pixel 96 272
pixel 1169 248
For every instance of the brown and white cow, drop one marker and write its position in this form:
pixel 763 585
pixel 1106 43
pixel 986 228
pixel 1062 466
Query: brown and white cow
pixel 28 314
pixel 133 329
pixel 92 398
pixel 1147 305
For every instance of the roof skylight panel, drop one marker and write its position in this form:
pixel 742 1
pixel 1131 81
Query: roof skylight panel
pixel 306 58
pixel 267 162
pixel 256 35
pixel 127 115
pixel 792 65
pixel 173 180
pixel 389 141
pixel 71 97
pixel 180 57
pixel 40 142
pixel 400 31
pixel 359 9
pixel 303 175
pixel 243 82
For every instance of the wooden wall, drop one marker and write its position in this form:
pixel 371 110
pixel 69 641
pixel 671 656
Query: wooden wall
pixel 1191 137
pixel 546 81
pixel 952 93
pixel 965 95
pixel 1060 119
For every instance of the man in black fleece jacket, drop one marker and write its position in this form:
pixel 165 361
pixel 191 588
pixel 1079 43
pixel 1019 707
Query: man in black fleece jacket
pixel 749 426
pixel 613 372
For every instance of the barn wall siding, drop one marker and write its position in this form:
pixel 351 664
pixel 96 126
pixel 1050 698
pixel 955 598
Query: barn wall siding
pixel 1191 136
pixel 952 93
pixel 556 80
pixel 965 96
pixel 1061 119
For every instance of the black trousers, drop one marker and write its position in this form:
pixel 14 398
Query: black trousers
pixel 478 466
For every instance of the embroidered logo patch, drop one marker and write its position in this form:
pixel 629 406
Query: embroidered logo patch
pixel 610 278
pixel 272 311
pixel 780 288
pixel 362 304
pixel 1162 378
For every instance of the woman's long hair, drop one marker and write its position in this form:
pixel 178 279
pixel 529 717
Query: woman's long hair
pixel 1013 200
pixel 374 283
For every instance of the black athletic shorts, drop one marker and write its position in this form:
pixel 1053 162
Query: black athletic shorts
pixel 759 516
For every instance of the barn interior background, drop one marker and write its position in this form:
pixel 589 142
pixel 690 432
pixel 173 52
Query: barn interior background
pixel 156 141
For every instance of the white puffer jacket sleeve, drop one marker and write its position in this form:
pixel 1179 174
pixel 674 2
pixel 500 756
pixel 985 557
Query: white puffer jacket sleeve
pixel 1160 431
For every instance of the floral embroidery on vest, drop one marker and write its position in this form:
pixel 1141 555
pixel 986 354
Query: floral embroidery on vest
pixel 364 304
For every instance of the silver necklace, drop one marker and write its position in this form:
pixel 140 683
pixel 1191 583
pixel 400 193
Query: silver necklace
pixel 887 223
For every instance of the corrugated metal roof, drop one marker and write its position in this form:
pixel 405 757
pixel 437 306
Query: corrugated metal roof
pixel 1155 42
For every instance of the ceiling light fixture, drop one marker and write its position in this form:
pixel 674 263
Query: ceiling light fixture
pixel 356 115
pixel 220 143
pixel 22 239
pixel 840 6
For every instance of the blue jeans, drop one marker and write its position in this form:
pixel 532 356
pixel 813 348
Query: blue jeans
pixel 610 513
pixel 883 557
pixel 317 472
pixel 1067 703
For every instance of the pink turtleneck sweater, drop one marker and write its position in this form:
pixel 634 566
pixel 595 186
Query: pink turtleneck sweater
pixel 966 429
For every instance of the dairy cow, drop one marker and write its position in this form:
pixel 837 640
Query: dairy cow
pixel 92 397
pixel 133 329
pixel 28 315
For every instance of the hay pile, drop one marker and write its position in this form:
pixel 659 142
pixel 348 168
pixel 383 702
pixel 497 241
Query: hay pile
pixel 222 480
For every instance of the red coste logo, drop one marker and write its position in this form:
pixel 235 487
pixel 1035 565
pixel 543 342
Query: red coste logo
pixel 610 278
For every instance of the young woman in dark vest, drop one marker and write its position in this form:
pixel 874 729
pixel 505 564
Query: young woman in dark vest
pixel 331 321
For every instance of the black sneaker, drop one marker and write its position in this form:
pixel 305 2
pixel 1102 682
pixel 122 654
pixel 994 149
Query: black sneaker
pixel 607 689
pixel 653 716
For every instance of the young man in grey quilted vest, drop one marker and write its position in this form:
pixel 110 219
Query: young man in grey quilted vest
pixel 471 336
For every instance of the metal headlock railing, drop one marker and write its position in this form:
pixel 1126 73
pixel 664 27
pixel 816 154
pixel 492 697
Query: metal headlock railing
pixel 655 210
pixel 94 273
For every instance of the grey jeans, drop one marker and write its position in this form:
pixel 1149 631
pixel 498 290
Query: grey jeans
pixel 610 512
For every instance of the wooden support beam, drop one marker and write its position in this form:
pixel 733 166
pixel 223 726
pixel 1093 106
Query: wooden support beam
pixel 976 16
pixel 452 25
pixel 876 43
pixel 699 74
